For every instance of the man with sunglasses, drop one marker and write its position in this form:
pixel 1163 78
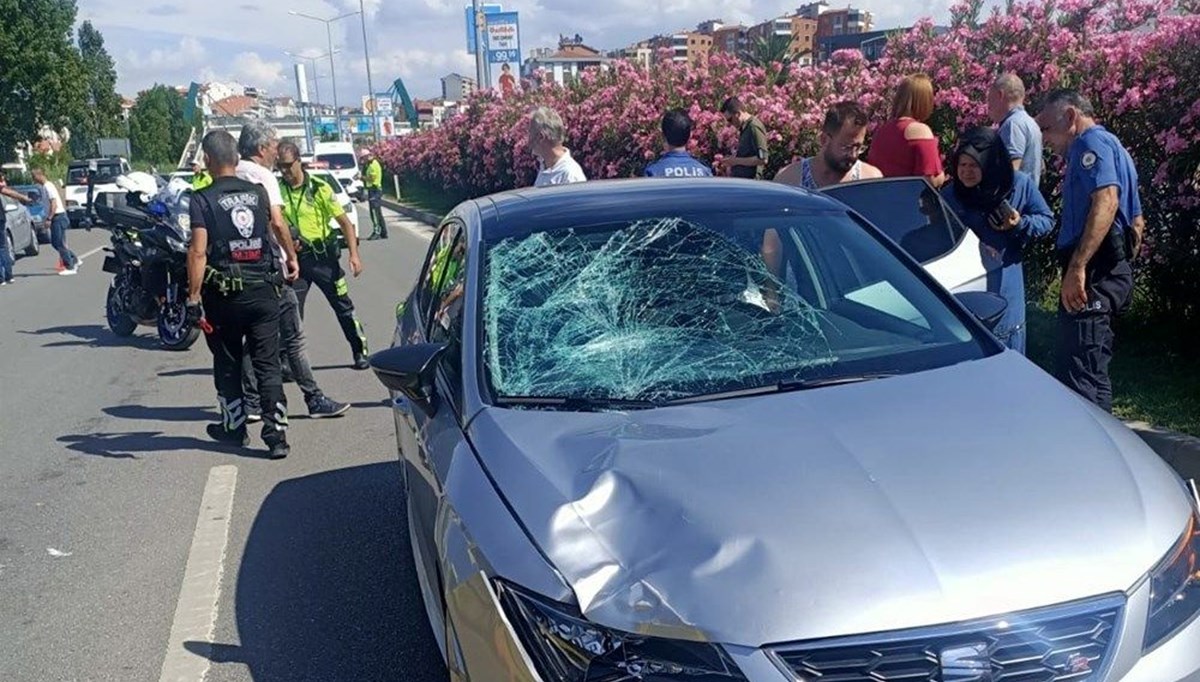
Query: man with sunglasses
pixel 308 205
pixel 1101 232
pixel 843 138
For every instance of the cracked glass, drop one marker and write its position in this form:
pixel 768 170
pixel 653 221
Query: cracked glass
pixel 665 308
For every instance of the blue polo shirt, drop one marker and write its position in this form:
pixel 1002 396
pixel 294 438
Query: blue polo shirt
pixel 1023 139
pixel 677 164
pixel 1096 159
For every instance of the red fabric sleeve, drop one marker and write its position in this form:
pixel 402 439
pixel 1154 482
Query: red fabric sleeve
pixel 927 161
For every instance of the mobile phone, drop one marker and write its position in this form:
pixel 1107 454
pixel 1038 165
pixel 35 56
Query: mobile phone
pixel 999 216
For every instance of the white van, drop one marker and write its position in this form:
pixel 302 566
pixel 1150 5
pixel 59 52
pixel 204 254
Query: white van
pixel 340 160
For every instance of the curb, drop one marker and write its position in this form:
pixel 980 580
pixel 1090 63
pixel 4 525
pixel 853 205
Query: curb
pixel 407 211
pixel 1179 450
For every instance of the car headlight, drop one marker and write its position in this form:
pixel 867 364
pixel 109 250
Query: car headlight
pixel 567 648
pixel 1175 588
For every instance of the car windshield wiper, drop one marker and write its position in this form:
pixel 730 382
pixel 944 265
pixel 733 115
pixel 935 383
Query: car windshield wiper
pixel 786 386
pixel 577 403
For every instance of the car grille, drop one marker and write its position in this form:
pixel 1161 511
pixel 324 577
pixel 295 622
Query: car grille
pixel 1067 644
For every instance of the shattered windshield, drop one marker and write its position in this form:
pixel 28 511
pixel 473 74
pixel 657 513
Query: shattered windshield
pixel 665 308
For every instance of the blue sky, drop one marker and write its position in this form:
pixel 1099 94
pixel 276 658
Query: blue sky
pixel 177 41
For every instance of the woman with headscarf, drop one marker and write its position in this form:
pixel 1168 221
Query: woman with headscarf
pixel 1004 208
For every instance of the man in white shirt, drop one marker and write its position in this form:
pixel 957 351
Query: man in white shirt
pixel 59 222
pixel 258 145
pixel 546 135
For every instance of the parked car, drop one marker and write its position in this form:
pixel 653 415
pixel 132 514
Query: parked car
pixel 339 158
pixel 638 445
pixel 22 239
pixel 104 191
pixel 37 211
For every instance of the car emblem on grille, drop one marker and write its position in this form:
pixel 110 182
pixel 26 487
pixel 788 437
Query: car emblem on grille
pixel 966 663
pixel 1077 663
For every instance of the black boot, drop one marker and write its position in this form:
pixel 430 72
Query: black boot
pixel 279 450
pixel 218 433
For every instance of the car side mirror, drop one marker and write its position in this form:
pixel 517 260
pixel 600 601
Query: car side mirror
pixel 410 370
pixel 986 306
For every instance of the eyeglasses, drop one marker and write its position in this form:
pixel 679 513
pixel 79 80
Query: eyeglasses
pixel 285 165
pixel 857 148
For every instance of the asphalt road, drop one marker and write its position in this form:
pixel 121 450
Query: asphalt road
pixel 103 468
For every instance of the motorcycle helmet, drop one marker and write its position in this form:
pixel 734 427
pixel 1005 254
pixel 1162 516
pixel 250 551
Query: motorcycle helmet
pixel 144 185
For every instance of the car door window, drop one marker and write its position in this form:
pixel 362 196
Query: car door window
pixel 446 320
pixel 909 211
pixel 434 271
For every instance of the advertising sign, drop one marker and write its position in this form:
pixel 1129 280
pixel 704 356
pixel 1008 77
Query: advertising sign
pixel 504 51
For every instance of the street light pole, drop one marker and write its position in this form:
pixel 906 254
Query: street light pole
pixel 362 14
pixel 337 114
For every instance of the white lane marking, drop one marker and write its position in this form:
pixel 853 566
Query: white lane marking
pixel 94 251
pixel 196 610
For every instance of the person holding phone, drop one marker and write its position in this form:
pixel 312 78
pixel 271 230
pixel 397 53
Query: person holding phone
pixel 1005 209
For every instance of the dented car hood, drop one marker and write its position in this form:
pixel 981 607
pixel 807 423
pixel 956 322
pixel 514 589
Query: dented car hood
pixel 979 489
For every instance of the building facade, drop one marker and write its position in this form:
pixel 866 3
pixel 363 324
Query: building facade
pixel 456 87
pixel 567 63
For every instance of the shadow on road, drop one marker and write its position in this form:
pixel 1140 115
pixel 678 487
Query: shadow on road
pixel 162 414
pixel 131 444
pixel 190 372
pixel 94 336
pixel 326 589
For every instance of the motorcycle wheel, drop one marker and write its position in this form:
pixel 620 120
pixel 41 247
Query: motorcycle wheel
pixel 173 330
pixel 119 321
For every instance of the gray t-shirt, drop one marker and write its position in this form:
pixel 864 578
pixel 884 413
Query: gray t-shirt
pixel 1024 141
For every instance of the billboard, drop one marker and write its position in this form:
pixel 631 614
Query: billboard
pixel 381 104
pixel 503 36
pixel 487 8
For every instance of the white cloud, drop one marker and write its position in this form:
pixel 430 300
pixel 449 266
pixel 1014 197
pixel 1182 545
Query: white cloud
pixel 417 40
pixel 249 67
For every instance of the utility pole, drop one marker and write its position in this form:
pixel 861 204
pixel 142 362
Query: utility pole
pixel 480 55
pixel 362 12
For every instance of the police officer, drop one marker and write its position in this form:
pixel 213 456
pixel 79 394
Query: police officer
pixel 373 180
pixel 308 206
pixel 1101 231
pixel 232 267
pixel 677 161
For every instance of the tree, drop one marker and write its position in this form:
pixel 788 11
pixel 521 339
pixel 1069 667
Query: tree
pixel 773 54
pixel 157 131
pixel 40 70
pixel 103 117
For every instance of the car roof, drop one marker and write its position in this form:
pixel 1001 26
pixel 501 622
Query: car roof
pixel 564 206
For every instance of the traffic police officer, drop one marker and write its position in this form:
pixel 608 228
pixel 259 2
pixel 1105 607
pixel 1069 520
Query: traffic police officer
pixel 308 206
pixel 373 180
pixel 232 268
pixel 1101 231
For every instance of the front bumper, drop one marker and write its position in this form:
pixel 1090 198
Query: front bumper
pixel 494 650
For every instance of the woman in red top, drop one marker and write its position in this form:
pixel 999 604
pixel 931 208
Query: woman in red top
pixel 905 145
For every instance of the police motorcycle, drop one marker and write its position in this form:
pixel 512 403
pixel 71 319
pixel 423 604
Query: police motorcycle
pixel 148 259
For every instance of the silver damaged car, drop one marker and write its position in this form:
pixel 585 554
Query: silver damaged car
pixel 716 431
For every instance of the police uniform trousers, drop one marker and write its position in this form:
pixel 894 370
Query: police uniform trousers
pixel 1085 339
pixel 375 202
pixel 247 320
pixel 323 270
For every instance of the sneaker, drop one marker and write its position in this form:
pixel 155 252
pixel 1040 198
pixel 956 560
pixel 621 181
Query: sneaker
pixel 279 450
pixel 253 417
pixel 70 271
pixel 321 407
pixel 218 433
pixel 4 283
pixel 361 362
